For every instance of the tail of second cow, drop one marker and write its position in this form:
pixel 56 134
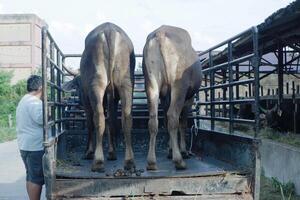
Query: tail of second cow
pixel 112 37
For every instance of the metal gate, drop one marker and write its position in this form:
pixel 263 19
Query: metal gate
pixel 224 80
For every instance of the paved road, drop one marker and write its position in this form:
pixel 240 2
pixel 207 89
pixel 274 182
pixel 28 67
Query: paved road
pixel 12 173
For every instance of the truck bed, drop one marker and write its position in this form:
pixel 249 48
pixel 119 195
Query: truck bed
pixel 204 175
pixel 72 167
pixel 215 169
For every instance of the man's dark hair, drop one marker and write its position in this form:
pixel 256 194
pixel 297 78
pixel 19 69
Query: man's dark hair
pixel 34 82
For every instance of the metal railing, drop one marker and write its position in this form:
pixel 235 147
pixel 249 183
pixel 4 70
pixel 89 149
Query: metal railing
pixel 214 93
pixel 52 74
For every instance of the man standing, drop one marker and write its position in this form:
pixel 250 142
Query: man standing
pixel 29 118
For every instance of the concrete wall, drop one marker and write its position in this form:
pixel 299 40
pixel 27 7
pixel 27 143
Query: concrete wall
pixel 281 161
pixel 20 44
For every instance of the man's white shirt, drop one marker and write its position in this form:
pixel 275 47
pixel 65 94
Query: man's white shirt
pixel 29 118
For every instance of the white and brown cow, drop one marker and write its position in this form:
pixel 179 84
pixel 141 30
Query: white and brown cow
pixel 172 69
pixel 106 70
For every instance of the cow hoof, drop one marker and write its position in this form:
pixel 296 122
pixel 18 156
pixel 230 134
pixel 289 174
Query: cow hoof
pixel 129 164
pixel 151 166
pixel 169 156
pixel 185 155
pixel 180 165
pixel 89 155
pixel 112 156
pixel 98 166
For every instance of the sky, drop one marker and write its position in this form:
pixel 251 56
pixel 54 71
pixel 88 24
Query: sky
pixel 208 21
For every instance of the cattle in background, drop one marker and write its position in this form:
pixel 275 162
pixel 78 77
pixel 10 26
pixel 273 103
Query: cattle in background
pixel 246 111
pixel 106 70
pixel 282 117
pixel 172 69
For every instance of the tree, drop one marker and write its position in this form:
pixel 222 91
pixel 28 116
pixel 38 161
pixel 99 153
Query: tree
pixel 10 95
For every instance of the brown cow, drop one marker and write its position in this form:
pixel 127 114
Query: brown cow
pixel 106 70
pixel 172 69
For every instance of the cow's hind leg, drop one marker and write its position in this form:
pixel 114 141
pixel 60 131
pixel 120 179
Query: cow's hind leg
pixel 112 123
pixel 165 102
pixel 183 126
pixel 97 94
pixel 176 105
pixel 89 154
pixel 153 96
pixel 125 92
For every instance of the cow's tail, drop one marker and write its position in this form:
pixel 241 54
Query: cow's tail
pixel 162 48
pixel 114 36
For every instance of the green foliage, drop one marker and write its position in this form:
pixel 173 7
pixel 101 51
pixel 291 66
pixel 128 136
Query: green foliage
pixel 20 88
pixel 10 95
pixel 7 134
pixel 273 189
pixel 5 88
pixel 288 138
pixel 268 133
pixel 286 189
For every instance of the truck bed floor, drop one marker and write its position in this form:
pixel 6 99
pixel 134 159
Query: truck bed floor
pixel 75 167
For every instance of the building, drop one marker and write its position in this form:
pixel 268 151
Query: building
pixel 20 44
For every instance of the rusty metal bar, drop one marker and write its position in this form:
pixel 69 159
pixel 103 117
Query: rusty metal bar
pixel 233 83
pixel 225 64
pixel 280 73
pixel 226 41
pixel 255 64
pixel 44 77
pixel 59 91
pixel 212 92
pixel 229 51
pixel 52 89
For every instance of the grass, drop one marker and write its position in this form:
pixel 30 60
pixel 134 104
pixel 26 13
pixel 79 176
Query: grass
pixel 7 134
pixel 269 191
pixel 288 138
pixel 285 138
pixel 265 133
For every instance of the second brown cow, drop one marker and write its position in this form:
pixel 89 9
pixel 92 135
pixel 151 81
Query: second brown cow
pixel 172 69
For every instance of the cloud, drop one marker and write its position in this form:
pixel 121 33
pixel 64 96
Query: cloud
pixel 87 28
pixel 202 41
pixel 67 35
pixel 102 17
pixel 148 26
pixel 1 9
pixel 65 27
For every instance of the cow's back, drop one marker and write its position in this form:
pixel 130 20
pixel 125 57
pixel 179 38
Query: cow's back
pixel 169 56
pixel 105 48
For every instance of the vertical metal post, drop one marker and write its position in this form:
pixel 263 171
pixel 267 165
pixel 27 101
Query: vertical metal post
pixel 44 77
pixel 206 95
pixel 58 83
pixel 63 94
pixel 48 158
pixel 224 89
pixel 197 109
pixel 212 92
pixel 229 54
pixel 61 146
pixel 280 73
pixel 255 65
pixel 295 105
pixel 237 78
pixel 52 89
pixel 249 76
